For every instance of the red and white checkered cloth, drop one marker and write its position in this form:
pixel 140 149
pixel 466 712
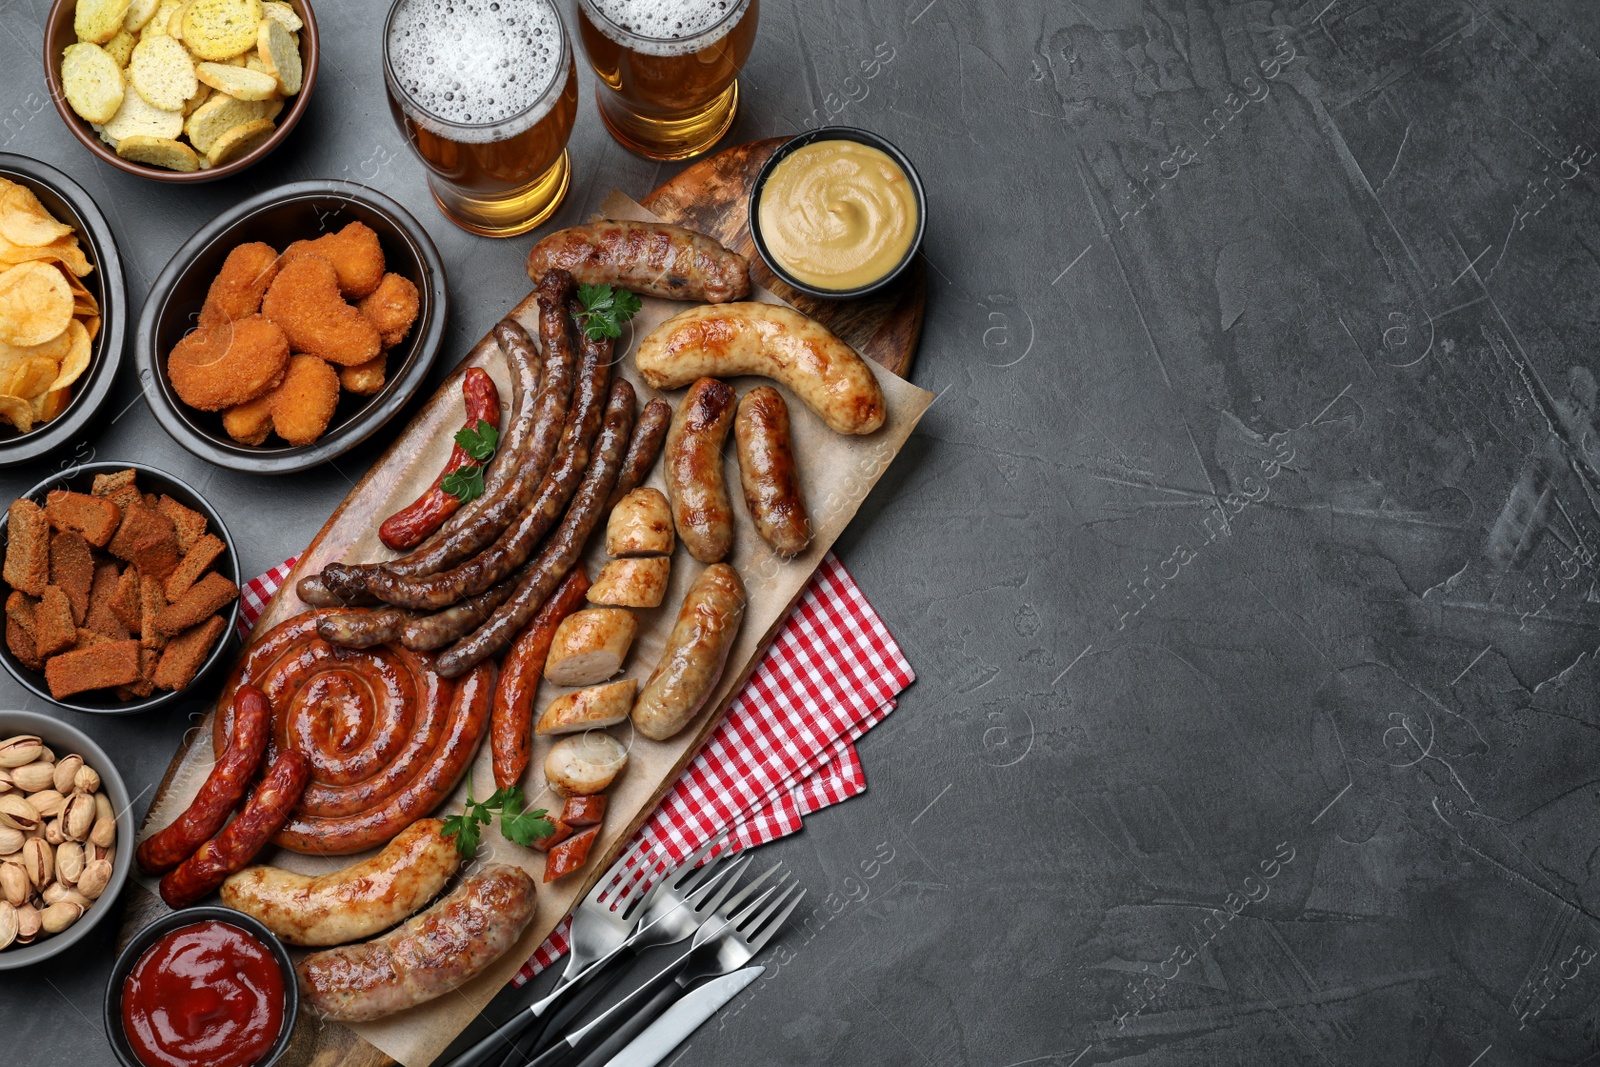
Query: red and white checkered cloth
pixel 787 745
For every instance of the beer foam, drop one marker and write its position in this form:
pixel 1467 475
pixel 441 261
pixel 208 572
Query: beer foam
pixel 670 27
pixel 481 64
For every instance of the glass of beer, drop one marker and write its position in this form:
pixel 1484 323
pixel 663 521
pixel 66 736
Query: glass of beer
pixel 486 91
pixel 668 69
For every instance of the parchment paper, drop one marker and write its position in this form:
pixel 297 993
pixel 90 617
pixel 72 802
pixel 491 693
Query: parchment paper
pixel 836 473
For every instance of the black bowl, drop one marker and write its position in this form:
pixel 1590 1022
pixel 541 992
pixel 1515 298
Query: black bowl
pixel 150 480
pixel 288 213
pixel 163 926
pixel 836 133
pixel 67 201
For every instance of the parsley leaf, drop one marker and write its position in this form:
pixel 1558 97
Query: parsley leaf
pixel 478 441
pixel 465 483
pixel 464 827
pixel 606 310
pixel 526 827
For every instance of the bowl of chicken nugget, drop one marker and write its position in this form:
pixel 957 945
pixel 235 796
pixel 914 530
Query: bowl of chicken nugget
pixel 292 328
pixel 121 588
pixel 180 90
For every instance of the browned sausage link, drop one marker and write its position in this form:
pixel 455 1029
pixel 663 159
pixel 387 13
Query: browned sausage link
pixel 767 472
pixel 313 591
pixel 648 434
pixel 512 549
pixel 539 578
pixel 648 257
pixel 696 484
pixel 501 508
pixel 363 629
pixel 426 633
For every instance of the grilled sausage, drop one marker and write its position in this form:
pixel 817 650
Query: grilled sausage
pixel 591 646
pixel 632 583
pixel 648 435
pixel 640 524
pixel 569 855
pixel 511 722
pixel 363 629
pixel 594 708
pixel 585 763
pixel 647 257
pixel 518 541
pixel 772 341
pixel 222 790
pixel 407 527
pixel 314 592
pixel 266 810
pixel 428 633
pixel 696 652
pixel 695 480
pixel 541 575
pixel 354 902
pixel 439 950
pixel 767 471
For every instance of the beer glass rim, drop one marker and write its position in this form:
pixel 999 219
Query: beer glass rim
pixel 556 86
pixel 591 8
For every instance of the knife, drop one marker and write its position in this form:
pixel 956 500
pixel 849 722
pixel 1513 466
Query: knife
pixel 674 1025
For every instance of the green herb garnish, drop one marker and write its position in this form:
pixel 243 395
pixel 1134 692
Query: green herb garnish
pixel 478 441
pixel 606 310
pixel 464 483
pixel 519 826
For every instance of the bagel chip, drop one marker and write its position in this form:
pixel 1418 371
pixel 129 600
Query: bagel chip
pixel 159 152
pixel 163 73
pixel 241 83
pixel 279 11
pixel 139 12
pixel 138 118
pixel 35 304
pixel 97 21
pixel 120 47
pixel 156 25
pixel 220 29
pixel 280 55
pixel 91 82
pixel 239 140
pixel 222 113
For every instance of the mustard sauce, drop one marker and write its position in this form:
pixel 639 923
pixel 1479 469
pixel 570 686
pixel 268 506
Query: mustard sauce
pixel 838 214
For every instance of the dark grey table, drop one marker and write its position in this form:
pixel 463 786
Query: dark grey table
pixel 1248 557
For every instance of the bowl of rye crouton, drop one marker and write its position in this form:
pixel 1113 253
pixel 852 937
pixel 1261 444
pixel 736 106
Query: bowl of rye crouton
pixel 121 588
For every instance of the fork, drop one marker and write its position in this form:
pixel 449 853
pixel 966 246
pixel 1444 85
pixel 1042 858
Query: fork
pixel 720 946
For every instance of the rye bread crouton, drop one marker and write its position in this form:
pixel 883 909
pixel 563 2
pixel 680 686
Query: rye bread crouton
pixel 27 565
pixel 20 629
pixel 72 571
pixel 102 666
pixel 157 556
pixel 95 517
pixel 148 658
pixel 106 484
pixel 186 653
pixel 140 524
pixel 190 524
pixel 53 628
pixel 201 555
pixel 151 603
pixel 100 617
pixel 202 598
pixel 125 599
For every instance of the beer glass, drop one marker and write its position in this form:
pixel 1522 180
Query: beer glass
pixel 668 69
pixel 486 91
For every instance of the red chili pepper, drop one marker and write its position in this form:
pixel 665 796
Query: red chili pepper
pixel 407 527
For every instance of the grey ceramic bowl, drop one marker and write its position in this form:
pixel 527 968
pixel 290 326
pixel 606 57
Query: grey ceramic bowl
pixel 65 740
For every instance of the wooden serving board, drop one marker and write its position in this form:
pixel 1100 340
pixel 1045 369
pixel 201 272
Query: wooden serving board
pixel 710 196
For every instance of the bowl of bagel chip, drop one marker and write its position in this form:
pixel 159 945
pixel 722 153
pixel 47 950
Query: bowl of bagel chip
pixel 292 327
pixel 63 309
pixel 180 90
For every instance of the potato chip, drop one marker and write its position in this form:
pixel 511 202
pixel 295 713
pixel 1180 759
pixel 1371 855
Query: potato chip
pixel 120 47
pixel 221 29
pixel 17 411
pixel 35 303
pixel 72 367
pixel 159 152
pixel 163 72
pixel 98 21
pixel 280 55
pixel 25 221
pixel 66 252
pixel 91 323
pixel 239 140
pixel 241 83
pixel 91 82
pixel 139 12
pixel 137 117
pixel 50 405
pixel 278 11
pixel 32 378
pixel 13 357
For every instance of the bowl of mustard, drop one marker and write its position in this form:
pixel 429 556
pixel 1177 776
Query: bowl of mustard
pixel 837 212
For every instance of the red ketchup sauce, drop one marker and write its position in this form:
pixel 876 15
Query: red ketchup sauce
pixel 206 994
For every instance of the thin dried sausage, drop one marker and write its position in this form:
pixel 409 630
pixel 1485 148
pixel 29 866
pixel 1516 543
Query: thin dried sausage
pixel 511 722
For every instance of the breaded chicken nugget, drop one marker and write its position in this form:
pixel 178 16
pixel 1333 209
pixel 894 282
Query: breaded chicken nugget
pixel 364 379
pixel 392 308
pixel 216 367
pixel 237 289
pixel 305 301
pixel 354 252
pixel 249 423
pixel 303 404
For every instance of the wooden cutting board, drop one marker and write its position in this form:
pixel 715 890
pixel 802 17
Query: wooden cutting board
pixel 711 197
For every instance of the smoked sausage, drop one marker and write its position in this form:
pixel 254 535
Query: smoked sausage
pixel 407 527
pixel 648 436
pixel 511 722
pixel 656 258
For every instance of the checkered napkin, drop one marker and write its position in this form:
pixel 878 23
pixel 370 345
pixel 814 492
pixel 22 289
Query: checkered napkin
pixel 785 749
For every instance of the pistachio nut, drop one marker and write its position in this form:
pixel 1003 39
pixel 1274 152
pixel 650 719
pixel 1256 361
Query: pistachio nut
pixel 66 771
pixel 52 831
pixel 93 851
pixel 20 750
pixel 10 840
pixel 14 885
pixel 55 892
pixel 79 817
pixel 39 860
pixel 27 923
pixel 94 879
pixel 32 777
pixel 47 802
pixel 17 813
pixel 6 784
pixel 8 924
pixel 86 780
pixel 104 833
pixel 69 862
pixel 57 917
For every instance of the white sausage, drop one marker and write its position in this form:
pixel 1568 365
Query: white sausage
pixel 590 646
pixel 585 763
pixel 632 583
pixel 696 652
pixel 588 709
pixel 640 525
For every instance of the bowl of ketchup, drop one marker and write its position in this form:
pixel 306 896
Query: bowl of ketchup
pixel 203 986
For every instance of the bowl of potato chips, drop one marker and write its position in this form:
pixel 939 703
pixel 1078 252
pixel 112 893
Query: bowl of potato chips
pixel 63 309
pixel 181 90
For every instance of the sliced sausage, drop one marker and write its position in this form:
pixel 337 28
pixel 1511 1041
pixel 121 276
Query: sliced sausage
pixel 640 525
pixel 590 646
pixel 584 763
pixel 632 583
pixel 569 855
pixel 588 709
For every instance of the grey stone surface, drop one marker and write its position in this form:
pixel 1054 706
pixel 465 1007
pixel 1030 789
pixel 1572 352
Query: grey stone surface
pixel 1247 559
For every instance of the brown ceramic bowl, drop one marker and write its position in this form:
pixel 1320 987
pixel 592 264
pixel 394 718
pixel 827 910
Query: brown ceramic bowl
pixel 58 34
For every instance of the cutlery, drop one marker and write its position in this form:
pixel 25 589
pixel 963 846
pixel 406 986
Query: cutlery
pixel 675 1024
